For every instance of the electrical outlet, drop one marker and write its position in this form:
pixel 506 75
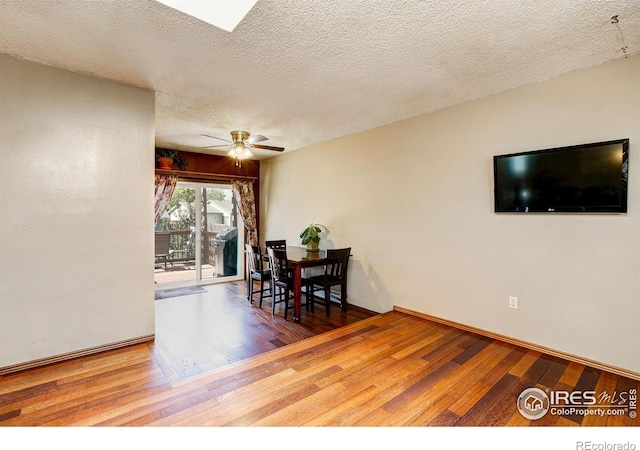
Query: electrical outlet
pixel 513 302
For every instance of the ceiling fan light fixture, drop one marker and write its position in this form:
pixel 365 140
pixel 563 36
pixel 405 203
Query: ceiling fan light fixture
pixel 239 151
pixel 246 154
pixel 241 144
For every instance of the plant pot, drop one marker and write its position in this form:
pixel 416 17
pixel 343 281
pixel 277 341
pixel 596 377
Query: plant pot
pixel 312 246
pixel 165 163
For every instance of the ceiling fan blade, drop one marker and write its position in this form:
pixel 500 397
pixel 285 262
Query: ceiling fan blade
pixel 268 147
pixel 220 139
pixel 214 146
pixel 257 138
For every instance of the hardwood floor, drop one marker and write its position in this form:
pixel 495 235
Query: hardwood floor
pixel 387 370
pixel 200 332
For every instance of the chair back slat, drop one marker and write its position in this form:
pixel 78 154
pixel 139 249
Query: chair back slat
pixel 339 262
pixel 279 264
pixel 254 258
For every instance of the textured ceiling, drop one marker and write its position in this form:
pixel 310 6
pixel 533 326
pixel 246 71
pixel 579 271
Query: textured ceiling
pixel 306 71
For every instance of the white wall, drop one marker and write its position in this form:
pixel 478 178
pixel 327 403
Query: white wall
pixel 76 212
pixel 415 202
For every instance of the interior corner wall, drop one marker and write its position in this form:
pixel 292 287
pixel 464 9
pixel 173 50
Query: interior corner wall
pixel 414 200
pixel 76 212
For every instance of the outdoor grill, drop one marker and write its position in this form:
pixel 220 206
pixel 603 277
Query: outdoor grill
pixel 225 248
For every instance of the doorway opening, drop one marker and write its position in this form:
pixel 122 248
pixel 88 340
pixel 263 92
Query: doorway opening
pixel 199 237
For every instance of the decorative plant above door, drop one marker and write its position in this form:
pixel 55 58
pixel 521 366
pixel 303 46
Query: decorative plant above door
pixel 167 157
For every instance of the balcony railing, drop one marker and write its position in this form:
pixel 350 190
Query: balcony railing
pixel 178 240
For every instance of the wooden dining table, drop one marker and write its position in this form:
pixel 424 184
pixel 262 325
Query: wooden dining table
pixel 300 258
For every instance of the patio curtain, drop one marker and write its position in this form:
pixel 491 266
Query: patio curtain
pixel 246 201
pixel 165 184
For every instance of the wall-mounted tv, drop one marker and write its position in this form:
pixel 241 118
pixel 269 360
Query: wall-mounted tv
pixel 586 178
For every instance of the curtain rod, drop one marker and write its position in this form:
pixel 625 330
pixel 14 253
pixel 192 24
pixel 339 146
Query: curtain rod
pixel 195 176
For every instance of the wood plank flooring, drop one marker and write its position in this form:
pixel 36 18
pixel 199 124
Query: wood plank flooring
pixel 387 370
pixel 200 332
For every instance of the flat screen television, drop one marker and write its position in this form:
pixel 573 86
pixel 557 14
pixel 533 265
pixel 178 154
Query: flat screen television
pixel 587 178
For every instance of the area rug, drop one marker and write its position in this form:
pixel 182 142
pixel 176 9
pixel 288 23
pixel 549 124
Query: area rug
pixel 177 292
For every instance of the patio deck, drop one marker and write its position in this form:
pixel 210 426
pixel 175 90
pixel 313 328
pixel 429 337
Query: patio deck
pixel 181 267
pixel 181 271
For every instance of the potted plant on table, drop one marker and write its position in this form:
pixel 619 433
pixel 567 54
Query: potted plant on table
pixel 166 158
pixel 311 236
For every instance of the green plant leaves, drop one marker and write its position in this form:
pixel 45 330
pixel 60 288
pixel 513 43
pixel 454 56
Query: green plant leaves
pixel 311 233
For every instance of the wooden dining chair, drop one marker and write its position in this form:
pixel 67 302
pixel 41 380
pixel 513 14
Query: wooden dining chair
pixel 257 272
pixel 335 274
pixel 282 280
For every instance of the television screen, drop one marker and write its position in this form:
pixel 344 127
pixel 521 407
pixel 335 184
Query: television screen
pixel 585 178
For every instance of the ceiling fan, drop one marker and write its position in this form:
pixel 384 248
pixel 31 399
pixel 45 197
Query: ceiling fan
pixel 241 144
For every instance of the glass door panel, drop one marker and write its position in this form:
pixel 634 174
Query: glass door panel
pixel 206 241
pixel 179 223
pixel 220 231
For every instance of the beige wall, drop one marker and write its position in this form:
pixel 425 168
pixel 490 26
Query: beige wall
pixel 76 212
pixel 414 201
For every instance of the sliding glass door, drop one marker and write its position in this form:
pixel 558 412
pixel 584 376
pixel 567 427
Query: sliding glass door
pixel 205 234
